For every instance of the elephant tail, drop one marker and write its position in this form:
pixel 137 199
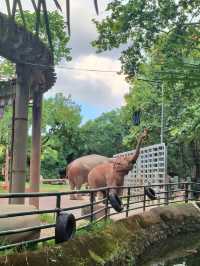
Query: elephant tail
pixel 67 171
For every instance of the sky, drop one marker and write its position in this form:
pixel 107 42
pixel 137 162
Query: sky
pixel 95 92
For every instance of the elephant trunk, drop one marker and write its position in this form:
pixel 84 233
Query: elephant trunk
pixel 134 157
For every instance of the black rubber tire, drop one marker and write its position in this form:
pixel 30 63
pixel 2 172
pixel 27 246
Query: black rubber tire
pixel 151 194
pixel 116 202
pixel 65 227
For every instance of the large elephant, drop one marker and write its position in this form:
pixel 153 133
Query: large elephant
pixel 111 174
pixel 77 171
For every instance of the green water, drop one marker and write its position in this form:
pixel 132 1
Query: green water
pixel 179 251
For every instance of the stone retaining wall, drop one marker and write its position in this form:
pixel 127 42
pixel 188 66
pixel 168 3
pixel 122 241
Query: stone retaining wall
pixel 119 243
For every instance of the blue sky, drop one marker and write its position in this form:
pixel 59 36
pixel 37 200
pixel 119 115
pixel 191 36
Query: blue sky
pixel 89 112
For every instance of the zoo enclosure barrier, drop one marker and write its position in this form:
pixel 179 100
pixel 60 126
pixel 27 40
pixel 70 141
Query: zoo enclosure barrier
pixel 132 201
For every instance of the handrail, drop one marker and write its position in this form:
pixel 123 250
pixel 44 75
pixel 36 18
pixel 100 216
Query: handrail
pixel 137 198
pixel 85 191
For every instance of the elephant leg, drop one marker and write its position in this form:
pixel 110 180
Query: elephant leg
pixel 79 197
pixel 100 195
pixel 86 187
pixel 95 194
pixel 112 190
pixel 103 196
pixel 120 191
pixel 72 188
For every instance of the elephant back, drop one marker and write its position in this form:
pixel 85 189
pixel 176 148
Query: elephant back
pixel 90 161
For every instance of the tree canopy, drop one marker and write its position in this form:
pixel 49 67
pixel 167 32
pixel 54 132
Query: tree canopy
pixel 160 49
pixel 105 134
pixel 140 24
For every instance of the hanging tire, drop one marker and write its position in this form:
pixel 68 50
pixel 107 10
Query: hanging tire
pixel 65 227
pixel 116 202
pixel 151 194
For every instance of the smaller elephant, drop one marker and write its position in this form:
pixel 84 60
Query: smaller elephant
pixel 111 174
pixel 77 170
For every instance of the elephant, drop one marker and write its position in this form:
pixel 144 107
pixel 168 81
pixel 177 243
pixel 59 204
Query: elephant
pixel 77 171
pixel 111 173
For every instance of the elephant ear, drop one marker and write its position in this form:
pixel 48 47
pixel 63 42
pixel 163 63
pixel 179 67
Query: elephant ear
pixel 118 163
pixel 112 160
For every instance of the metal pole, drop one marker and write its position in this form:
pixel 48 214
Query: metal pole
pixel 186 193
pixel 91 206
pixel 106 203
pixel 167 194
pixel 128 201
pixel 144 200
pixel 58 206
pixel 162 116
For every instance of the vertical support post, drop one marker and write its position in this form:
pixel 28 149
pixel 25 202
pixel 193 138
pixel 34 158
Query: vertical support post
pixel 58 205
pixel 128 200
pixel 36 147
pixel 11 149
pixel 186 193
pixel 144 200
pixel 91 206
pixel 106 203
pixel 190 191
pixel 20 132
pixel 162 116
pixel 167 194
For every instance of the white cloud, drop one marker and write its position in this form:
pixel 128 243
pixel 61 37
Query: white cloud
pixel 113 81
pixel 99 90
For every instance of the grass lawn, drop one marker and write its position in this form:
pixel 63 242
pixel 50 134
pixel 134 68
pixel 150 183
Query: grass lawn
pixel 2 190
pixel 53 188
pixel 43 188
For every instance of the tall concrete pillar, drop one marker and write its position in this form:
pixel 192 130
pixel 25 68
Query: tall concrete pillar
pixel 36 147
pixel 20 132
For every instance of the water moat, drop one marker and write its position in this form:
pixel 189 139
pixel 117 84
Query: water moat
pixel 183 250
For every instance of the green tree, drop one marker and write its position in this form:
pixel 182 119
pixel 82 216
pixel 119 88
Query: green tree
pixel 59 35
pixel 105 134
pixel 181 111
pixel 140 24
pixel 161 48
pixel 60 133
